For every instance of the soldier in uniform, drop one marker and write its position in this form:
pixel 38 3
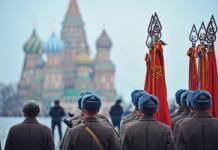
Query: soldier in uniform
pixel 180 109
pixel 76 120
pixel 147 133
pixel 200 131
pixel 92 133
pixel 181 121
pixel 136 113
pixel 30 134
pixel 186 112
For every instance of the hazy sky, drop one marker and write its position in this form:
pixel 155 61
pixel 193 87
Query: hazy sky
pixel 126 22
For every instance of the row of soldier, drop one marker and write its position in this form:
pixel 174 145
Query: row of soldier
pixel 192 126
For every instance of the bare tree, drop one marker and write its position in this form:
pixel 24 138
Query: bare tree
pixel 10 101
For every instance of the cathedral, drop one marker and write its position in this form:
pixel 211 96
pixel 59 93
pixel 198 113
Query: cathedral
pixel 68 69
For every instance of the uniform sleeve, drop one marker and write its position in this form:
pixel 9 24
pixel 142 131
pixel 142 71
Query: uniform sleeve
pixel 64 138
pixel 9 145
pixel 115 145
pixel 125 142
pixel 181 143
pixel 50 142
pixel 170 145
pixel 68 143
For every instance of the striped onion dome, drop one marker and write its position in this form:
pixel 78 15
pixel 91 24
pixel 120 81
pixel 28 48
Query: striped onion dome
pixel 54 44
pixel 33 44
pixel 104 41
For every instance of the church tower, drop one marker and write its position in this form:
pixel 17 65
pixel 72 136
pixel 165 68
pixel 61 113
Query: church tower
pixel 74 38
pixel 104 68
pixel 53 84
pixel 30 85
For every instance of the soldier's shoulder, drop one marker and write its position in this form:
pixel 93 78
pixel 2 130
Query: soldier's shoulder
pixel 76 128
pixel 44 126
pixel 103 118
pixel 129 115
pixel 161 125
pixel 132 125
pixel 17 126
pixel 130 118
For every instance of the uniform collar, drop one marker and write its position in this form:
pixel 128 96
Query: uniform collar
pixel 91 119
pixel 30 120
pixel 202 114
pixel 147 118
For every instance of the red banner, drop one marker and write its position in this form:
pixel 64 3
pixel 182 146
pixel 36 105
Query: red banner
pixel 156 84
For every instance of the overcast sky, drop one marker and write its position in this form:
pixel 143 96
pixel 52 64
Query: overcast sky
pixel 126 22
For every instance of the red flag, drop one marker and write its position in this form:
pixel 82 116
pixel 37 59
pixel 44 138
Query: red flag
pixel 156 82
pixel 203 67
pixel 212 84
pixel 193 73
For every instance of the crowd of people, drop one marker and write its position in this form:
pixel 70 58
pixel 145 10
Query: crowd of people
pixel 192 126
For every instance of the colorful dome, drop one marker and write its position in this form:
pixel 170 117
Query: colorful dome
pixel 54 44
pixel 104 41
pixel 33 44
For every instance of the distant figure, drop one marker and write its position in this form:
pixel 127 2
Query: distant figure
pixel 116 112
pixel 56 113
pixel 30 134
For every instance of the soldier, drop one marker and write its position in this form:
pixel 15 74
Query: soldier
pixel 56 113
pixel 180 109
pixel 147 133
pixel 203 136
pixel 136 113
pixel 181 121
pixel 30 135
pixel 186 109
pixel 79 118
pixel 92 133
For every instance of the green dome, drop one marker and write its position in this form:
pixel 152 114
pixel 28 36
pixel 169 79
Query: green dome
pixel 33 44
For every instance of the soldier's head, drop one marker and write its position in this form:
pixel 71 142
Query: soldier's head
pixel 202 100
pixel 136 94
pixel 148 104
pixel 31 109
pixel 184 102
pixel 118 101
pixel 79 101
pixel 178 96
pixel 56 102
pixel 190 99
pixel 91 104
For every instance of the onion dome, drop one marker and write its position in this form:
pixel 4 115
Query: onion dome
pixel 33 44
pixel 54 44
pixel 104 41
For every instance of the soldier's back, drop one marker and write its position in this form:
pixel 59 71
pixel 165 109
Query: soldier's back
pixel 147 134
pixel 80 139
pixel 29 135
pixel 199 132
